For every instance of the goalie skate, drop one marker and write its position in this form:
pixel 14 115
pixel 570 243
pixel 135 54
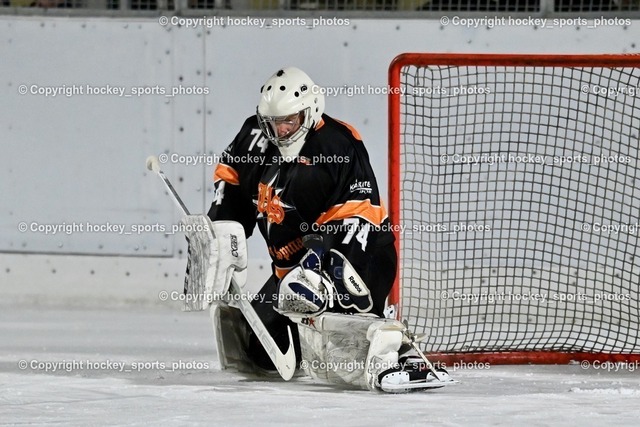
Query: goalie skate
pixel 406 379
pixel 414 371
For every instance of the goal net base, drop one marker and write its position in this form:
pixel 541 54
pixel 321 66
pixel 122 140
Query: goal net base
pixel 532 357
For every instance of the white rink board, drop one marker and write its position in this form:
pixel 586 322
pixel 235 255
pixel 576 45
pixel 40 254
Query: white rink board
pixel 80 159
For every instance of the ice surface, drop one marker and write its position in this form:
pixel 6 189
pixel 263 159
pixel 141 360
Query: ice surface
pixel 200 394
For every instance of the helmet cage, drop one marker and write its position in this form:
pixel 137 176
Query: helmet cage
pixel 269 126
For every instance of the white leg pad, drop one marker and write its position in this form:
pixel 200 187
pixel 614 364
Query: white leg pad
pixel 349 349
pixel 232 337
pixel 385 339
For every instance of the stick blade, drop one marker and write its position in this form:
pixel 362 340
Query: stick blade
pixel 286 363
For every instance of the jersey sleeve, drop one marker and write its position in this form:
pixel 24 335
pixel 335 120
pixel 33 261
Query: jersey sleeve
pixel 231 177
pixel 357 224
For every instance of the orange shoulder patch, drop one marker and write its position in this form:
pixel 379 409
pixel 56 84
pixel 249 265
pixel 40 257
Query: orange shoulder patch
pixel 353 130
pixel 227 174
pixel 354 208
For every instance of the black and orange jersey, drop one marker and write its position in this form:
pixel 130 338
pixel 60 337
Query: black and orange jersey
pixel 328 189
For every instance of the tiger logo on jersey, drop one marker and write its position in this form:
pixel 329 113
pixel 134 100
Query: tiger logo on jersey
pixel 270 204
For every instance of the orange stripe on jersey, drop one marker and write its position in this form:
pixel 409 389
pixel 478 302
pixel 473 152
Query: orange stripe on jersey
pixel 226 173
pixel 281 272
pixel 353 130
pixel 320 124
pixel 354 208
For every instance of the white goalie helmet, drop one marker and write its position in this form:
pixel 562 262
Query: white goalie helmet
pixel 289 102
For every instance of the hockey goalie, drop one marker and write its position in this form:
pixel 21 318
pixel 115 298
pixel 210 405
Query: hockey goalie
pixel 305 179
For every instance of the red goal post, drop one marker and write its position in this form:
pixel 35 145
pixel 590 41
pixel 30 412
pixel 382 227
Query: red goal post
pixel 503 172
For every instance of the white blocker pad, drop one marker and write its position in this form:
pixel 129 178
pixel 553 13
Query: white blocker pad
pixel 349 349
pixel 217 252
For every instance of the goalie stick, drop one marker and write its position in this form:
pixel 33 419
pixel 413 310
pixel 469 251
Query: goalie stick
pixel 285 363
pixel 153 164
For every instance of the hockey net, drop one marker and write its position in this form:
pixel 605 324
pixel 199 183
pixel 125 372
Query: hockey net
pixel 515 190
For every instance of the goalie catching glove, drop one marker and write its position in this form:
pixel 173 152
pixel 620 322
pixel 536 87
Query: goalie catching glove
pixel 310 289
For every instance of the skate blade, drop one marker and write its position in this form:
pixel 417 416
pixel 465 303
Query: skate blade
pixel 417 386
